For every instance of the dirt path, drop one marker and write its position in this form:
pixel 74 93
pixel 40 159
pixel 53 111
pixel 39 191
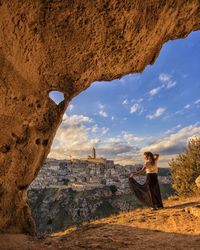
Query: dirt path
pixel 175 227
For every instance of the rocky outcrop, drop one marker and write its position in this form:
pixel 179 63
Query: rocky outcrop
pixel 56 208
pixel 65 46
pixel 197 181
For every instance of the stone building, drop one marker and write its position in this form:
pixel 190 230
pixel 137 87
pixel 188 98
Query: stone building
pixel 92 158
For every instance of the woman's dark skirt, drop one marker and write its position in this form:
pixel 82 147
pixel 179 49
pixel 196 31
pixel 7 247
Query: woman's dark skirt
pixel 149 192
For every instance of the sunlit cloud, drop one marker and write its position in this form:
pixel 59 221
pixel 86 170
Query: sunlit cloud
pixel 77 134
pixel 74 120
pixel 175 143
pixel 98 130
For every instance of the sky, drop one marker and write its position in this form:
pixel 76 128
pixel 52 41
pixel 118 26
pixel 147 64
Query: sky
pixel 157 110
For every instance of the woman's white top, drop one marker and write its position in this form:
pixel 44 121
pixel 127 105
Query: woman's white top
pixel 151 169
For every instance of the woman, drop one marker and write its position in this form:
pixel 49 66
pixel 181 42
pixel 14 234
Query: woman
pixel 149 192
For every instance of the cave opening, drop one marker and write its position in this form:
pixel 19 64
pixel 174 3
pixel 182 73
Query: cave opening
pixel 156 109
pixel 56 96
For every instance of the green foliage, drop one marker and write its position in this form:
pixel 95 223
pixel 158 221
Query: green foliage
pixel 186 168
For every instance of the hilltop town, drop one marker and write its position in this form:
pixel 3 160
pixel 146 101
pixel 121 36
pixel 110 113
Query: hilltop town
pixel 88 173
pixel 69 192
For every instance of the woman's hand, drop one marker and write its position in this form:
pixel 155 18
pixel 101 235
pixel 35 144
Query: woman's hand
pixel 133 174
pixel 156 156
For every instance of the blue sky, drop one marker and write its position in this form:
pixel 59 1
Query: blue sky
pixel 157 110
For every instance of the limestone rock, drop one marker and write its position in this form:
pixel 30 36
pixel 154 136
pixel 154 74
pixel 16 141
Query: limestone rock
pixel 194 210
pixel 197 181
pixel 56 208
pixel 66 45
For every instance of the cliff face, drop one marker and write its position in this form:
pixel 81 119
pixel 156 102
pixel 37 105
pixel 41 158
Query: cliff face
pixel 65 46
pixel 54 209
pixel 67 193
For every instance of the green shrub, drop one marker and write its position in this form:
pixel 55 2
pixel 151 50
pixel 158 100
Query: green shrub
pixel 186 168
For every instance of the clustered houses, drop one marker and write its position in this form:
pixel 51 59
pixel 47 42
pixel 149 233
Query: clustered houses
pixel 68 192
pixel 84 174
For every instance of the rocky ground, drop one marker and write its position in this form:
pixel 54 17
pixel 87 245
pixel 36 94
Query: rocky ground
pixel 175 227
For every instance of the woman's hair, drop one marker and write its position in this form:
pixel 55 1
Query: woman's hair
pixel 150 157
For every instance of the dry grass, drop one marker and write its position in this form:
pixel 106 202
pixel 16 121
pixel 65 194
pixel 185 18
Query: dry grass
pixel 174 227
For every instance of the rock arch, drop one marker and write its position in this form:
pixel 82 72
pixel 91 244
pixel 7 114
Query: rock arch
pixel 67 45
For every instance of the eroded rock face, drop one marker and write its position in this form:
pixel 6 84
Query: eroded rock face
pixel 197 181
pixel 65 46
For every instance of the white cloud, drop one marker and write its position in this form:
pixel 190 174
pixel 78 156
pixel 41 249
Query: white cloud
pixel 187 106
pixel 75 140
pixel 71 107
pixel 72 137
pixel 112 118
pixel 164 77
pixel 175 143
pixel 140 100
pixel 101 131
pixel 157 113
pixel 154 91
pixel 101 106
pixel 125 102
pixel 131 138
pixel 197 101
pixel 169 131
pixel 103 113
pixel 76 137
pixel 73 120
pixel 170 84
pixel 94 129
pixel 167 83
pixel 104 131
pixel 134 108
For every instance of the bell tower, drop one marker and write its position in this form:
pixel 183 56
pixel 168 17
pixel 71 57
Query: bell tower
pixel 93 153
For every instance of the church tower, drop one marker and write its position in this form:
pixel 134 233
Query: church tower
pixel 93 153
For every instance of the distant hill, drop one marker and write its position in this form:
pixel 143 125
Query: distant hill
pixel 164 171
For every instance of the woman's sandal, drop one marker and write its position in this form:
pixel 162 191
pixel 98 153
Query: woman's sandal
pixel 154 208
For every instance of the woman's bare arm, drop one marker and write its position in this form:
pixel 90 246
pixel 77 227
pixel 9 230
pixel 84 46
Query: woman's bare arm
pixel 141 171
